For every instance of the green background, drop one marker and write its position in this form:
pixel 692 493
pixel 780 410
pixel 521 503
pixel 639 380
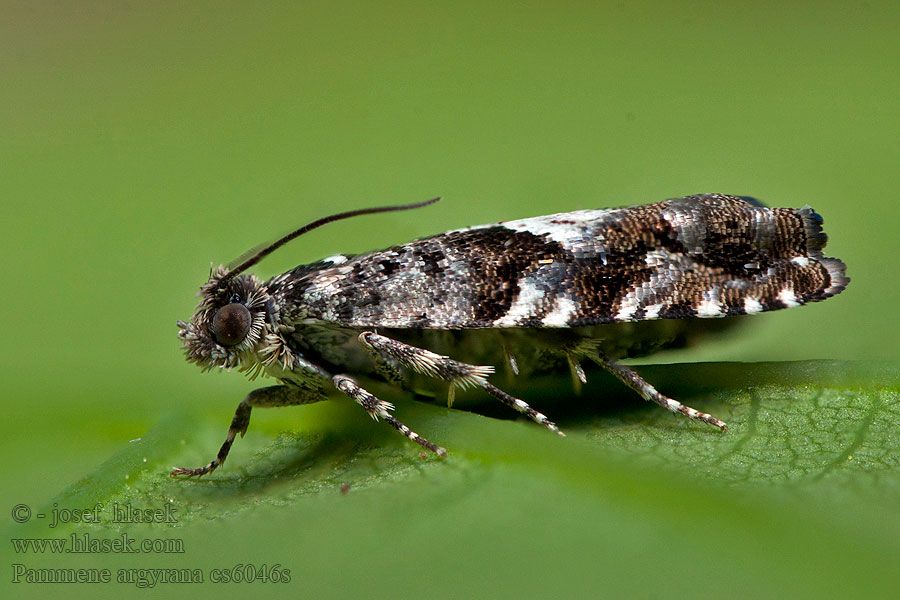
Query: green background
pixel 141 141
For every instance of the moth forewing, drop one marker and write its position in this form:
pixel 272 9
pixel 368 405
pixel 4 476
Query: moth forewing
pixel 555 287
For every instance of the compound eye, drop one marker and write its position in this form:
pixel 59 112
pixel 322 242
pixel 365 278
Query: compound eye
pixel 231 324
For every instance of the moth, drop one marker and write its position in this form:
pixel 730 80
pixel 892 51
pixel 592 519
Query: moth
pixel 535 294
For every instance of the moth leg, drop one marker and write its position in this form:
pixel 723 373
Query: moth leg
pixel 387 367
pixel 574 352
pixel 457 373
pixel 267 397
pixel 578 376
pixel 380 409
pixel 640 385
pixel 522 407
pixel 510 358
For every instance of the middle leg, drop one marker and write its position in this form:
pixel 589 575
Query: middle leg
pixel 456 373
pixel 379 409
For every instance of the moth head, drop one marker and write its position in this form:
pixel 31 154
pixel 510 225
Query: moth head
pixel 231 318
pixel 229 321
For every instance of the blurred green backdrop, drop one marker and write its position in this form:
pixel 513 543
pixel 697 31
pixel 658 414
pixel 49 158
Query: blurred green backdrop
pixel 142 141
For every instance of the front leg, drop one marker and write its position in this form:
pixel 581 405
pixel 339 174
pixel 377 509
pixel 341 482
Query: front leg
pixel 267 397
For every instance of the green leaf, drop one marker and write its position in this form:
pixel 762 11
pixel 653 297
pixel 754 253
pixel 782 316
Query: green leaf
pixel 798 499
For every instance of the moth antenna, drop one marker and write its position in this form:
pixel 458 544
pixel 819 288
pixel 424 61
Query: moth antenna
pixel 255 255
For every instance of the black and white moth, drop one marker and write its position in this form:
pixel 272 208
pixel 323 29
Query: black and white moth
pixel 533 293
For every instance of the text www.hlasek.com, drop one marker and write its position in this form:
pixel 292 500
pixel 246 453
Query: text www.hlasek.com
pixel 88 544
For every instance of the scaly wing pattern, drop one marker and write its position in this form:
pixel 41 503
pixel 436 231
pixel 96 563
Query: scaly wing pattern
pixel 707 255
